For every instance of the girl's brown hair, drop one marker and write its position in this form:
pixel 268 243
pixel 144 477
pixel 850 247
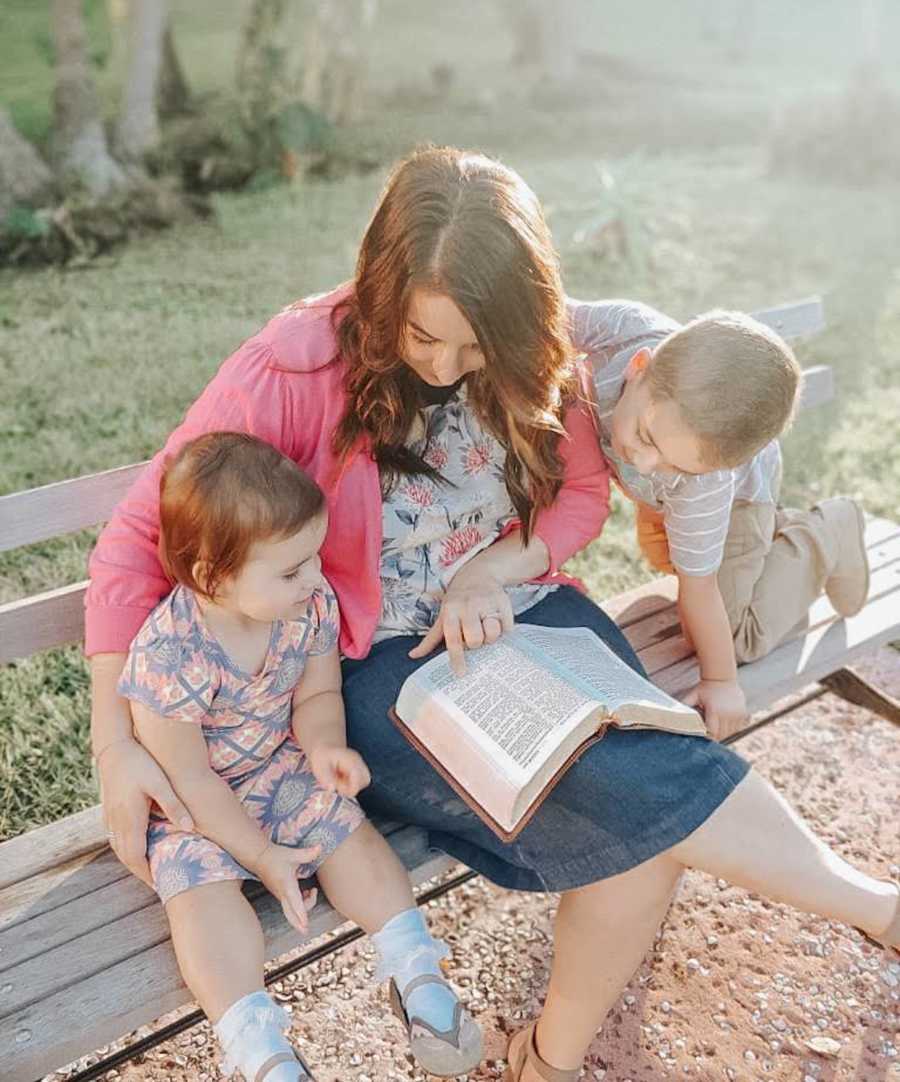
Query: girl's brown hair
pixel 218 495
pixel 465 226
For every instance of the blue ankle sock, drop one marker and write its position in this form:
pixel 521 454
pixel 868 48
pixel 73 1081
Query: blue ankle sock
pixel 406 950
pixel 252 1030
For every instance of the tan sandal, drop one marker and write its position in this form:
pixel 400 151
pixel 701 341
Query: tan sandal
pixel 889 939
pixel 522 1052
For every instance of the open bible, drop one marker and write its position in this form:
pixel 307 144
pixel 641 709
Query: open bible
pixel 527 708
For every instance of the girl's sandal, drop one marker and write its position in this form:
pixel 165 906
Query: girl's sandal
pixel 445 1053
pixel 284 1057
pixel 889 939
pixel 523 1052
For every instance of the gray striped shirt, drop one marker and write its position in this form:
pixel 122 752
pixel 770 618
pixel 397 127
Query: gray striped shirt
pixel 696 508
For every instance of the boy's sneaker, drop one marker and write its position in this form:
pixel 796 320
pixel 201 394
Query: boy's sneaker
pixel 847 586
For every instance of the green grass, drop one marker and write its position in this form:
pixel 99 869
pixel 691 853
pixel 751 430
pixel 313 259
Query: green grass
pixel 98 364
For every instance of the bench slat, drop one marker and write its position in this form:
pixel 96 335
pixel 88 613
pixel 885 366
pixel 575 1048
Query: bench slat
pixel 796 319
pixel 803 660
pixel 61 901
pixel 63 507
pixel 51 845
pixel 40 622
pixel 882 545
pixel 54 890
pixel 818 387
pixel 102 1007
pixel 670 651
pixel 119 938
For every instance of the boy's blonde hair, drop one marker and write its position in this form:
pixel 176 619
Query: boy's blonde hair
pixel 735 381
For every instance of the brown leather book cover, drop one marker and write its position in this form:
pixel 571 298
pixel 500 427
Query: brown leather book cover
pixel 463 794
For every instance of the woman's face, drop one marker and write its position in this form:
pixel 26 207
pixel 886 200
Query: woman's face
pixel 438 342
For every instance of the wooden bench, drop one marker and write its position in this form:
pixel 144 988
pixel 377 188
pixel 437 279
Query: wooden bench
pixel 85 955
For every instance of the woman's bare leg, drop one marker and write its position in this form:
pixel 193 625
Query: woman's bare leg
pixel 219 945
pixel 601 935
pixel 755 839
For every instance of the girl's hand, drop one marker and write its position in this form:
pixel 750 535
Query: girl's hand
pixel 130 778
pixel 475 611
pixel 723 703
pixel 340 769
pixel 277 867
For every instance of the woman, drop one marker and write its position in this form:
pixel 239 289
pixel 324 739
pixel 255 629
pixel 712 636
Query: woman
pixel 436 401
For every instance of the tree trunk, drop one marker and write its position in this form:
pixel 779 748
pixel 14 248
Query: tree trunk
pixel 335 57
pixel 138 128
pixel 80 149
pixel 24 178
pixel 174 95
pixel 260 61
pixel 545 35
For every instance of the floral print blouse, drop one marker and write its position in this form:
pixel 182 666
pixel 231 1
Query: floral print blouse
pixel 430 529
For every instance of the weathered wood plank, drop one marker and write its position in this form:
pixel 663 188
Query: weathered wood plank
pixel 662 655
pixel 882 544
pixel 642 602
pixel 63 507
pixel 107 1004
pixel 48 846
pixel 62 903
pixel 796 319
pixel 818 387
pixel 42 621
pixel 805 659
pixel 51 890
pixel 30 935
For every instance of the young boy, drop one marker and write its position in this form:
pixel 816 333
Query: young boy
pixel 688 417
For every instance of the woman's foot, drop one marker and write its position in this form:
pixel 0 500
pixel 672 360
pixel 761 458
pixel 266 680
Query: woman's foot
pixel 526 1065
pixel 445 1051
pixel 889 938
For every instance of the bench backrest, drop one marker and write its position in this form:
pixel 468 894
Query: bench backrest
pixel 56 617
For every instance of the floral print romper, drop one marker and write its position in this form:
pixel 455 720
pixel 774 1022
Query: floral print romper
pixel 178 669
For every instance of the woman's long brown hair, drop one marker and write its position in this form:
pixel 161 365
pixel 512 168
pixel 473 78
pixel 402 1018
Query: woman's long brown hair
pixel 466 226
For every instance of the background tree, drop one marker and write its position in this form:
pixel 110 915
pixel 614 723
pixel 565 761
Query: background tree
pixel 137 131
pixel 173 92
pixel 545 36
pixel 79 148
pixel 333 79
pixel 24 176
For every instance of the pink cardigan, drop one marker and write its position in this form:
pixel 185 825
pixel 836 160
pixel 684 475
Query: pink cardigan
pixel 285 385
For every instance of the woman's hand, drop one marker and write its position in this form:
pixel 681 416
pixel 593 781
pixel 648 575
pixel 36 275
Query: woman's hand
pixel 339 768
pixel 277 867
pixel 723 703
pixel 475 611
pixel 130 779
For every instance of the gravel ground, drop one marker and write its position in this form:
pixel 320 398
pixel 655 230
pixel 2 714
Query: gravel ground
pixel 736 988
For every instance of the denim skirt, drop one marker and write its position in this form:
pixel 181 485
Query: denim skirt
pixel 631 796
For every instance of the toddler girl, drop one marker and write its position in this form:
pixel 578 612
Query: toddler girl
pixel 235 686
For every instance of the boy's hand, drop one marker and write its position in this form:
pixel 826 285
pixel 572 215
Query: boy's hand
pixel 339 768
pixel 277 867
pixel 723 703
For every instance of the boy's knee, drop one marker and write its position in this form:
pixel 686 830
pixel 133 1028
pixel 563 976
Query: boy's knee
pixel 751 643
